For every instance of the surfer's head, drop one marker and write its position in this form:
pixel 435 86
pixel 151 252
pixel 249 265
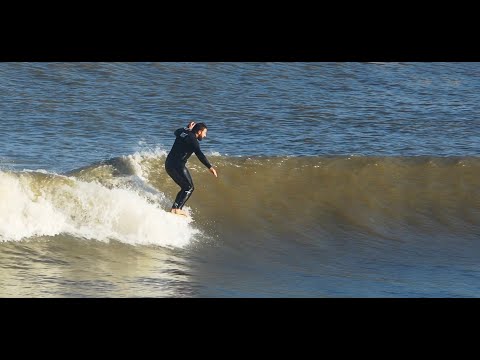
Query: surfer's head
pixel 200 131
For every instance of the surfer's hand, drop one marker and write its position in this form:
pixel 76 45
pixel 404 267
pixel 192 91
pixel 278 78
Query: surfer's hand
pixel 213 171
pixel 190 125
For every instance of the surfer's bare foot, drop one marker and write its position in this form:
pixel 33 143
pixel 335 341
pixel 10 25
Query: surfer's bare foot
pixel 178 212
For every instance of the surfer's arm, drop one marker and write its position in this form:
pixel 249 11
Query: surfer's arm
pixel 179 131
pixel 189 127
pixel 200 155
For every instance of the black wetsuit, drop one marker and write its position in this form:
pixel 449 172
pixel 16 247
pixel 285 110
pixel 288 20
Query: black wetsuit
pixel 185 144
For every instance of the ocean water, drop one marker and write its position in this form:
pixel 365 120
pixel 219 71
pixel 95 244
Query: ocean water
pixel 335 180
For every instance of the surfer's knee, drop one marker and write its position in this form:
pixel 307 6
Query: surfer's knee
pixel 190 189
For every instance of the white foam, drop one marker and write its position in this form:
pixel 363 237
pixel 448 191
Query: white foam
pixel 29 208
pixel 23 214
pixel 135 160
pixel 213 153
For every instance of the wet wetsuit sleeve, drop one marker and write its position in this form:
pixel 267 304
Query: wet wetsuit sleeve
pixel 200 155
pixel 179 131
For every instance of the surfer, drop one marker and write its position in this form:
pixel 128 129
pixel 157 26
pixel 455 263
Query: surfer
pixel 186 143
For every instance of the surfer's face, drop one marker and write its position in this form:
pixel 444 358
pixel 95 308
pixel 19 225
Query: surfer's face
pixel 202 134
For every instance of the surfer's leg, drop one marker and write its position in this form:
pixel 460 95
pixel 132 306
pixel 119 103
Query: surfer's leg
pixel 186 191
pixel 182 178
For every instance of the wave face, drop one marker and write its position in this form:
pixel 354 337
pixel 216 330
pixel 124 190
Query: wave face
pixel 369 192
pixel 126 198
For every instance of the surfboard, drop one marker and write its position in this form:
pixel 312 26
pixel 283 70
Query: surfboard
pixel 181 215
pixel 178 215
